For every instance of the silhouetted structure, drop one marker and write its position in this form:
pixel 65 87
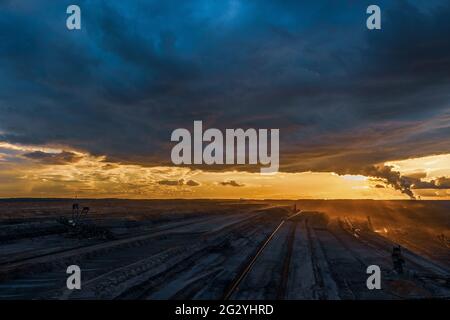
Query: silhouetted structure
pixel 79 227
pixel 397 259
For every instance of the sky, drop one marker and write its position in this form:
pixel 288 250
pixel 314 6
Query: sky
pixel 89 113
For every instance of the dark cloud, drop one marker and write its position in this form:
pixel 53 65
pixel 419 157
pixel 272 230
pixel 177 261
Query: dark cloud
pixel 417 175
pixel 379 186
pixel 439 183
pixel 443 182
pixel 171 182
pixel 180 182
pixel 345 98
pixel 192 183
pixel 405 184
pixel 64 157
pixel 231 183
pixel 392 178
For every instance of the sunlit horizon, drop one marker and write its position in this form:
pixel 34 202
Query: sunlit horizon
pixel 50 172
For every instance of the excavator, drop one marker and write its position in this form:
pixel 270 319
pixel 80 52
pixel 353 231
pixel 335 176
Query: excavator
pixel 79 227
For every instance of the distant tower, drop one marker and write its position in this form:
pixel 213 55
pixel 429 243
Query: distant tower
pixel 397 259
pixel 369 223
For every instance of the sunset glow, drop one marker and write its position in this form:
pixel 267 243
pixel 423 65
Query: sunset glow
pixel 84 175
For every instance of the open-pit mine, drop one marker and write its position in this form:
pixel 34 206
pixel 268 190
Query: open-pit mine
pixel 230 249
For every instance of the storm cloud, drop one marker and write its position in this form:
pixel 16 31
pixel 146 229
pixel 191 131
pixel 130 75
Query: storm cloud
pixel 345 98
pixel 64 157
